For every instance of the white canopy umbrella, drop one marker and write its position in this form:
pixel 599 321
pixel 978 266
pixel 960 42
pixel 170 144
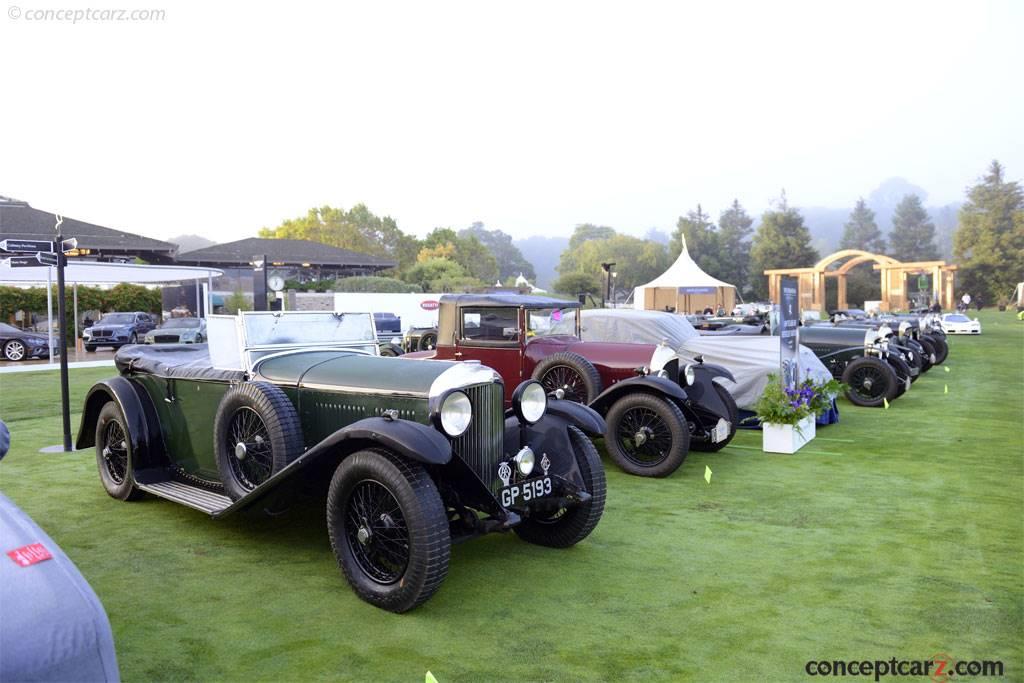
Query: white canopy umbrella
pixel 97 273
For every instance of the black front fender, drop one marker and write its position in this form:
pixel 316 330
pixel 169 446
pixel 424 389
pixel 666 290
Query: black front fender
pixel 714 370
pixel 650 384
pixel 578 415
pixel 548 439
pixel 410 440
pixel 702 392
pixel 406 439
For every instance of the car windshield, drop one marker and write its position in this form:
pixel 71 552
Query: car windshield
pixel 117 319
pixel 542 322
pixel 958 319
pixel 9 329
pixel 178 323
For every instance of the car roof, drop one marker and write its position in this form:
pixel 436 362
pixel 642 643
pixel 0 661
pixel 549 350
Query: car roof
pixel 528 300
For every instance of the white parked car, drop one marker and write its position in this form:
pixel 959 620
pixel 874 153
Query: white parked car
pixel 958 323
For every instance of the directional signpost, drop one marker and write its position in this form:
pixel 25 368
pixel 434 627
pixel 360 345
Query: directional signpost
pixel 23 246
pixel 21 262
pixel 50 254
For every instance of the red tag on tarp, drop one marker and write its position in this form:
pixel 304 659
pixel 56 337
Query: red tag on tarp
pixel 28 555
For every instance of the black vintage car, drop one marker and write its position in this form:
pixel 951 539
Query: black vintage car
pixel 18 344
pixel 118 329
pixel 410 456
pixel 860 358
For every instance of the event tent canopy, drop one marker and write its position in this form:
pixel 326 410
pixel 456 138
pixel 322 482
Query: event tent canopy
pixel 684 288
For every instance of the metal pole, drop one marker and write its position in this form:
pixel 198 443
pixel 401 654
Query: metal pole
pixel 49 309
pixel 65 399
pixel 209 293
pixel 196 284
pixel 266 298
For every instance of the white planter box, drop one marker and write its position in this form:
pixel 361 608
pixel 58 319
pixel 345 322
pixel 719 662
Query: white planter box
pixel 786 438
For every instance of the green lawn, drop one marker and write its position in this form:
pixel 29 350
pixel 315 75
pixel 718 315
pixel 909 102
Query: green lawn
pixel 897 533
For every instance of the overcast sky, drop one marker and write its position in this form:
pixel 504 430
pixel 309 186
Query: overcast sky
pixel 530 117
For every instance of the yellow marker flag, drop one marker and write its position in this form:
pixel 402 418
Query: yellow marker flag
pixel 885 403
pixel 707 474
pixel 430 678
pixel 946 368
pixel 945 389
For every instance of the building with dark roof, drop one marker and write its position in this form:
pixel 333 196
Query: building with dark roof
pixel 290 257
pixel 18 220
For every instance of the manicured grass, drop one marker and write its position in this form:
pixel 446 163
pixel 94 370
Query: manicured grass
pixel 896 533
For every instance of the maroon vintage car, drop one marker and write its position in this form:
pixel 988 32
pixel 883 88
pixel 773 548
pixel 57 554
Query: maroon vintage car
pixel 656 408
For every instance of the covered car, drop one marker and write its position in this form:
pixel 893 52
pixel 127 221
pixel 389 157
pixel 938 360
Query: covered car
pixel 53 627
pixel 751 359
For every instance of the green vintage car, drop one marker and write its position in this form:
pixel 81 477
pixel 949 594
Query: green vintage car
pixel 409 455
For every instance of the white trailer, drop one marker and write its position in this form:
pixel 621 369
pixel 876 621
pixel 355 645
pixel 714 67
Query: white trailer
pixel 415 310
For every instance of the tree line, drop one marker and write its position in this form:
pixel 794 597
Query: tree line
pixel 444 260
pixel 988 246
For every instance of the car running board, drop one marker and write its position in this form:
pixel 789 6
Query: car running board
pixel 194 497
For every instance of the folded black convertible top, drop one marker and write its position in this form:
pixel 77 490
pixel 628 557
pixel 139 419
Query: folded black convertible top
pixel 173 361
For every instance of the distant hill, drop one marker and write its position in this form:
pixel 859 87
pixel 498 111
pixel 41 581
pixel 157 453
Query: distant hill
pixel 826 223
pixel 191 242
pixel 543 253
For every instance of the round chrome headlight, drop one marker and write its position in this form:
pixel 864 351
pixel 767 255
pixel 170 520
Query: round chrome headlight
pixel 524 461
pixel 689 375
pixel 904 328
pixel 529 402
pixel 456 413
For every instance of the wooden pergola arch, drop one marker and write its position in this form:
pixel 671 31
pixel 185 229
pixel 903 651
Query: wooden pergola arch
pixel 893 276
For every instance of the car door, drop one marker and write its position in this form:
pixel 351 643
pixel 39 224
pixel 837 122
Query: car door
pixel 494 336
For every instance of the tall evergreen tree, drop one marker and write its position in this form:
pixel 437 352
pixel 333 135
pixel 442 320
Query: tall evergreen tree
pixel 702 241
pixel 734 231
pixel 861 231
pixel 989 242
pixel 913 234
pixel 782 241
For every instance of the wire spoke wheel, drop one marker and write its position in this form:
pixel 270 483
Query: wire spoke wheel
pixel 869 382
pixel 376 532
pixel 115 451
pixel 249 440
pixel 644 437
pixel 565 379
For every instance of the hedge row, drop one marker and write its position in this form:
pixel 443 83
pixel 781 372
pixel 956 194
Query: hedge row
pixel 122 297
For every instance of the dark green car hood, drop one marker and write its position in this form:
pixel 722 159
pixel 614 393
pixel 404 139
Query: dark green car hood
pixel 347 371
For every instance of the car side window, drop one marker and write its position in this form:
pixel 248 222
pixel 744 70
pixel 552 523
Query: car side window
pixel 490 324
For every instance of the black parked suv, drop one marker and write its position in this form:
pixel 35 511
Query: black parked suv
pixel 117 329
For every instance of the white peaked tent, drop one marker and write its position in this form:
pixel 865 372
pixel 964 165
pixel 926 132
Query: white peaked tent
pixel 684 288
